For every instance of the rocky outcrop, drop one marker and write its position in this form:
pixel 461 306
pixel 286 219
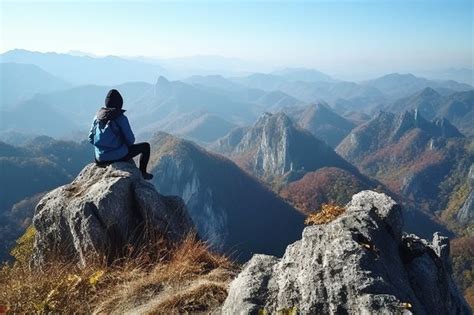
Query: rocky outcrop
pixel 360 263
pixel 466 213
pixel 104 211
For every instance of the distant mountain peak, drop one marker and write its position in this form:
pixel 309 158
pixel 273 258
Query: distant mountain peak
pixel 409 120
pixel 429 92
pixel 303 74
pixel 162 80
pixel 280 119
pixel 321 121
pixel 277 150
pixel 397 75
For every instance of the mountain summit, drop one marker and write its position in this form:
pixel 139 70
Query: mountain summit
pixel 277 150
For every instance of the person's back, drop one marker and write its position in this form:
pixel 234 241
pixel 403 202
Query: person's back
pixel 112 135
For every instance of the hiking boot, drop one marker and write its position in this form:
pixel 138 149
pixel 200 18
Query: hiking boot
pixel 147 176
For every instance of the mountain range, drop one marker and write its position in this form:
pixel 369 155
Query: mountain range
pixel 457 107
pixel 425 161
pixel 19 82
pixel 252 153
pixel 396 85
pixel 110 70
pixel 277 150
pixel 195 107
pixel 27 172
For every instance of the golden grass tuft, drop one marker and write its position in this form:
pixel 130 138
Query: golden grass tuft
pixel 326 214
pixel 166 278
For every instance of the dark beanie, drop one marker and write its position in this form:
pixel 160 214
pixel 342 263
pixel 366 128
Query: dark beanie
pixel 114 99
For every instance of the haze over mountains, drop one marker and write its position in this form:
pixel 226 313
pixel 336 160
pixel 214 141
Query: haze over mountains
pixel 69 87
pixel 241 148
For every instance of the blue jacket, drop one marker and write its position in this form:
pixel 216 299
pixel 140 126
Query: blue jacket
pixel 111 145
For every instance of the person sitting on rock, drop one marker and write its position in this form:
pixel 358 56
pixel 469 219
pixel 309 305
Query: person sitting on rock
pixel 113 138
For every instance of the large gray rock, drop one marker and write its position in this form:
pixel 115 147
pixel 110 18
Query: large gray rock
pixel 360 263
pixel 104 211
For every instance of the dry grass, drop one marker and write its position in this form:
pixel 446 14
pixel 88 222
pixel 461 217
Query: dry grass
pixel 326 214
pixel 173 278
pixel 198 299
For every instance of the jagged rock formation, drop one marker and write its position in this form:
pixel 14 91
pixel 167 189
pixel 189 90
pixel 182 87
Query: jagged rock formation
pixel 466 213
pixel 388 128
pixel 360 263
pixel 414 157
pixel 276 150
pixel 102 212
pixel 232 211
pixel 458 107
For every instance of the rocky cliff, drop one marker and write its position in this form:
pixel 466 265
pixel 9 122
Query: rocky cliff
pixel 102 213
pixel 276 150
pixel 466 213
pixel 232 211
pixel 360 263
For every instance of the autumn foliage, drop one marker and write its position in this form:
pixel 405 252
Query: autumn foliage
pixel 326 185
pixel 327 213
pixel 462 250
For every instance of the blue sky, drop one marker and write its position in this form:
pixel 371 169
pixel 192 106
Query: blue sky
pixel 329 35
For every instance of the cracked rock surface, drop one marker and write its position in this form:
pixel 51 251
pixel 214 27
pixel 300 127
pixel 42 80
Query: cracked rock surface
pixel 104 211
pixel 360 263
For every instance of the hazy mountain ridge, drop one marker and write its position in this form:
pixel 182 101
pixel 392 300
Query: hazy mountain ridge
pixel 108 70
pixel 397 85
pixel 322 122
pixel 303 75
pixel 355 96
pixel 463 75
pixel 169 105
pixel 20 82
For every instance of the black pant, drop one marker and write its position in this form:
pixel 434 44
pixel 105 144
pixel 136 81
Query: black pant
pixel 142 148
